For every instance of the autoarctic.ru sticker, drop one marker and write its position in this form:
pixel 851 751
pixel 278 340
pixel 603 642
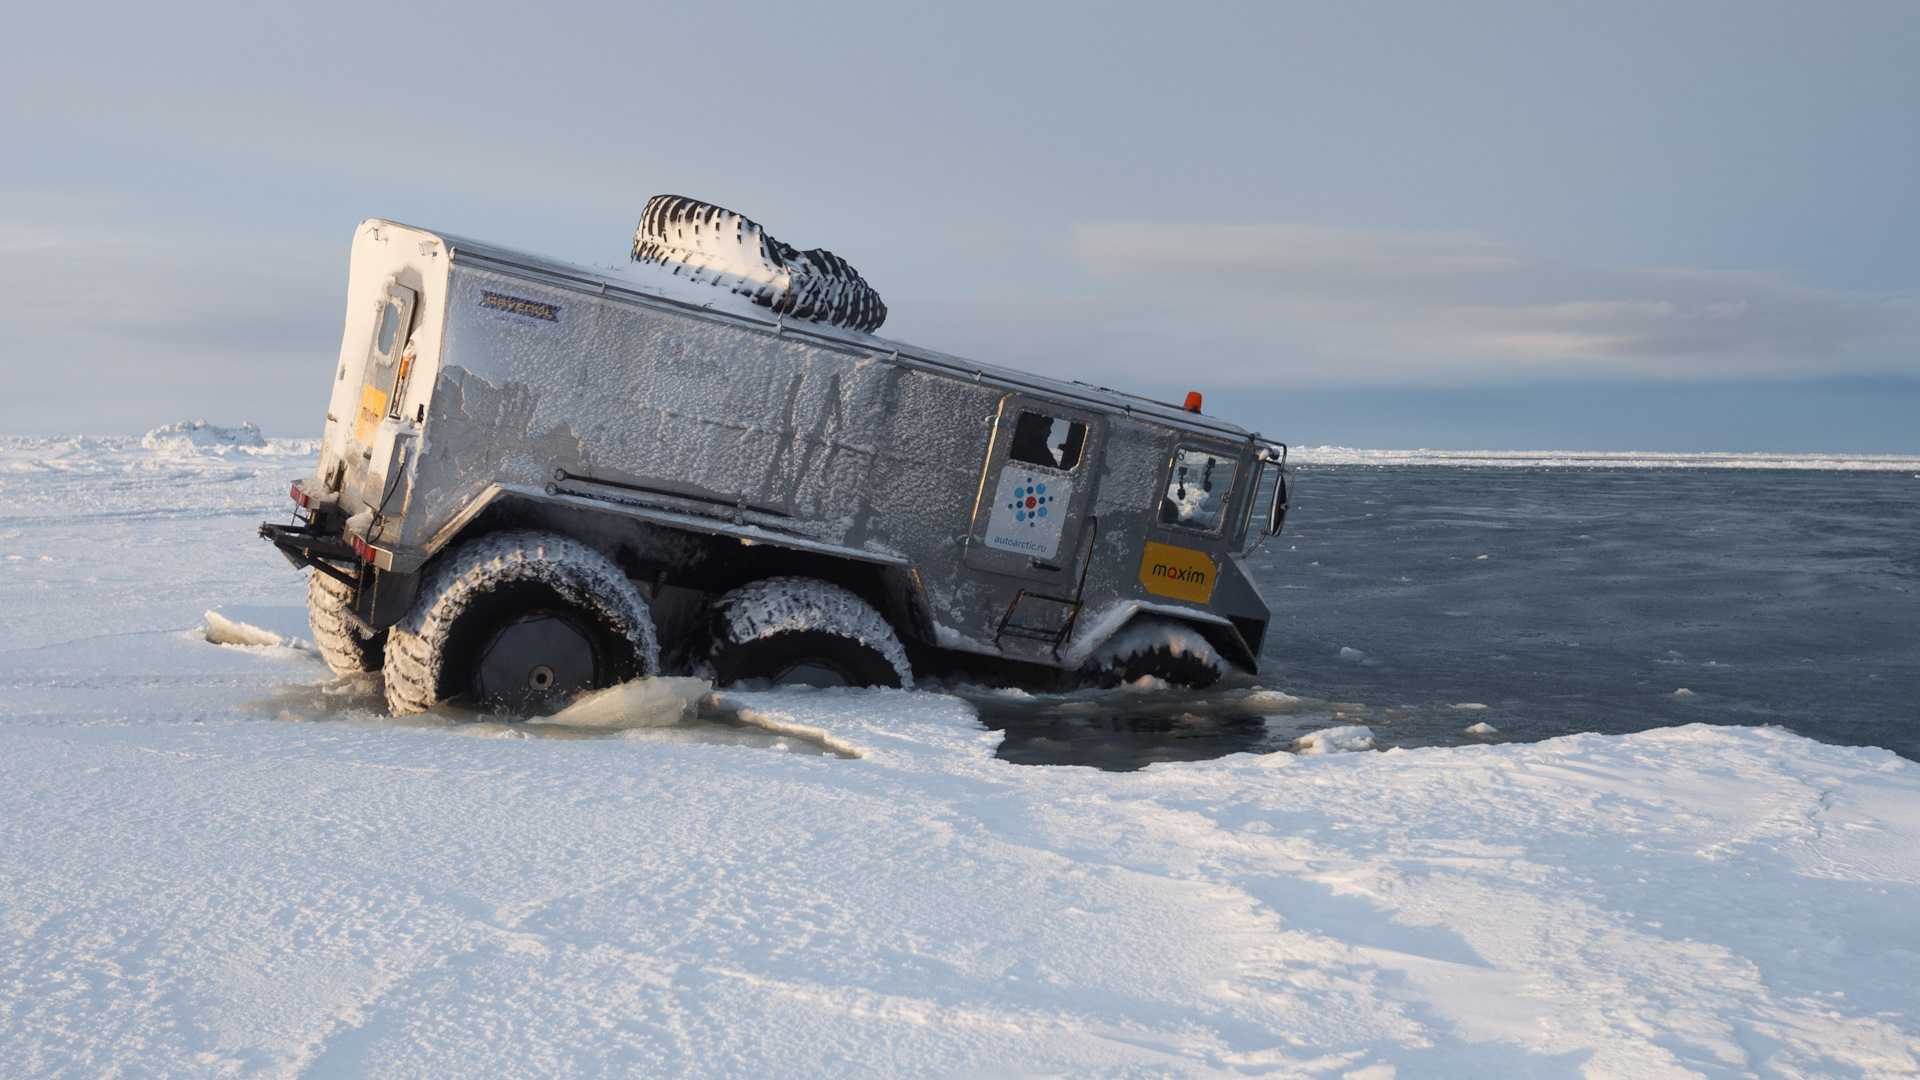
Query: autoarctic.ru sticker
pixel 1028 509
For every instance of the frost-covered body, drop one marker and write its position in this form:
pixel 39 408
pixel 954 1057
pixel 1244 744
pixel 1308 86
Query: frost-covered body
pixel 703 443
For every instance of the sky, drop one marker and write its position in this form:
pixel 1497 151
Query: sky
pixel 1468 226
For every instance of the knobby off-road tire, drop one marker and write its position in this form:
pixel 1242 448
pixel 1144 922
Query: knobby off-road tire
pixel 518 620
pixel 706 243
pixel 1170 651
pixel 790 630
pixel 343 645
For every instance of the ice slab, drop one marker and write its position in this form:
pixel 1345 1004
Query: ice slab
pixel 1348 739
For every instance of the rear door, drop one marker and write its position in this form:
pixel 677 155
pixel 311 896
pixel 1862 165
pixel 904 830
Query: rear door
pixel 384 362
pixel 1031 518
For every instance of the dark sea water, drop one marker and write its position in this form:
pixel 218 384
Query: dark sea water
pixel 1562 599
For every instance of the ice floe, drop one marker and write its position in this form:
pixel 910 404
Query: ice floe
pixel 1335 740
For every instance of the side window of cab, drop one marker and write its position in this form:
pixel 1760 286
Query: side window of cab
pixel 1039 439
pixel 1198 483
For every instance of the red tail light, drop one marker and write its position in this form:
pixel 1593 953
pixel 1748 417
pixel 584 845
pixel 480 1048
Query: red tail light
pixel 300 496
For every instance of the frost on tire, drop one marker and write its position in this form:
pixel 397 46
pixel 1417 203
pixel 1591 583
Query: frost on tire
pixel 803 630
pixel 1170 651
pixel 704 243
pixel 520 620
pixel 345 647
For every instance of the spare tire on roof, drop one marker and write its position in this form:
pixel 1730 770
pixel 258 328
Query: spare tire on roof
pixel 705 243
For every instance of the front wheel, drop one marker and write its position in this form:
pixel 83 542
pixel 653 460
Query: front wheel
pixel 1171 652
pixel 523 621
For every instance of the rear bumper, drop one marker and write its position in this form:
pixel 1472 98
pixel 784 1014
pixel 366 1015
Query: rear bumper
pixel 313 544
pixel 380 596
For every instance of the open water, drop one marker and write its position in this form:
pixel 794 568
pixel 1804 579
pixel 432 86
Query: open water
pixel 1561 599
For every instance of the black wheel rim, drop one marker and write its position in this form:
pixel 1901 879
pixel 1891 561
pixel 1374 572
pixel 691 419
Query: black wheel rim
pixel 538 661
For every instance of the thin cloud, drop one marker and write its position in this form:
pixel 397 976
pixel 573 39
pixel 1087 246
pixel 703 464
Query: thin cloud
pixel 1128 250
pixel 1335 305
pixel 113 321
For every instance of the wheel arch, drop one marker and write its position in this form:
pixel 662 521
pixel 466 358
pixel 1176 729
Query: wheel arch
pixel 1219 631
pixel 806 613
pixel 711 560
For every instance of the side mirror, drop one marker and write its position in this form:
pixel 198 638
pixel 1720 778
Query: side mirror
pixel 1277 510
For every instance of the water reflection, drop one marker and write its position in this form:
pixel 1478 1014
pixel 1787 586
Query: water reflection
pixel 1123 743
pixel 1130 728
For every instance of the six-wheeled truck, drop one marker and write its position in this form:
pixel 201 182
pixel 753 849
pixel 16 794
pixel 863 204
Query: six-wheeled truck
pixel 540 478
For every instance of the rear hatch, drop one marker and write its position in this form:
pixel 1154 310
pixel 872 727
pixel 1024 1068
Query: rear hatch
pixel 388 355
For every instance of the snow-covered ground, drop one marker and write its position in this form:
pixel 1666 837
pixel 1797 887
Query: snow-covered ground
pixel 215 861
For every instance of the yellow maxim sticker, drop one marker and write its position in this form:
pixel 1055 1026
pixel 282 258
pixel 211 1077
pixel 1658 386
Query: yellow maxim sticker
pixel 373 408
pixel 1182 573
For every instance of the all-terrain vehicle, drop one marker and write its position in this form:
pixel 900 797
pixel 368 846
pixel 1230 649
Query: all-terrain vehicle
pixel 539 478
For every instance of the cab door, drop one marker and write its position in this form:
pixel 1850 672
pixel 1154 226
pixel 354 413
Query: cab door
pixel 1030 521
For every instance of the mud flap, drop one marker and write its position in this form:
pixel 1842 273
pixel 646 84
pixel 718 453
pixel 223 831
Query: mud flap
pixel 384 597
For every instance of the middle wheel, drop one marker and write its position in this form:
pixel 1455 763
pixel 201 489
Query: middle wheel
pixel 804 631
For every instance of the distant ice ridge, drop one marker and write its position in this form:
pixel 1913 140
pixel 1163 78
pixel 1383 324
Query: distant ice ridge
pixel 200 435
pixel 1609 459
pixel 173 442
pixel 90 455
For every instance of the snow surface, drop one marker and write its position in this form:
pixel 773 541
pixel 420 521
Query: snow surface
pixel 199 878
pixel 1616 459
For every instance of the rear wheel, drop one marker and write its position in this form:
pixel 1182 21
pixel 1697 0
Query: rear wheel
pixel 802 631
pixel 522 621
pixel 345 647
